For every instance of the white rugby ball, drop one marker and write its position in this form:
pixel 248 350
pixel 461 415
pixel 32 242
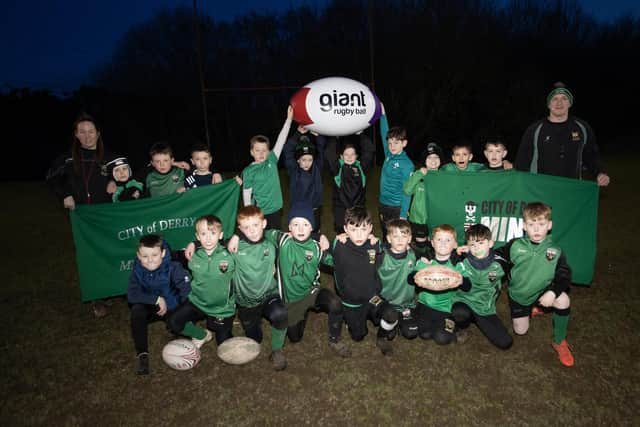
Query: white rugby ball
pixel 181 354
pixel 238 350
pixel 335 106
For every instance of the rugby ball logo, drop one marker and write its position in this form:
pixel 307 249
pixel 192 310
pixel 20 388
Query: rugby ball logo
pixel 335 106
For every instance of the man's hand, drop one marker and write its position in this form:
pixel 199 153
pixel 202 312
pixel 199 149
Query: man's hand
pixel 69 203
pixel 603 179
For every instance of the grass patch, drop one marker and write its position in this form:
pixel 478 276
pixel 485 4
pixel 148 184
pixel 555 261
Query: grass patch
pixel 62 367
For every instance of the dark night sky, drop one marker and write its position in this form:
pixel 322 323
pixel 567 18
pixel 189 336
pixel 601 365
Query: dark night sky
pixel 55 43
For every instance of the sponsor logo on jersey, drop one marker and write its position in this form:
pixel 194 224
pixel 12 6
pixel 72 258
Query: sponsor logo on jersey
pixel 575 136
pixel 223 266
pixel 551 254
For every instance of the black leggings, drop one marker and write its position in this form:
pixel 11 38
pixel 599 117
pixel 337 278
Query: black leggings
pixel 273 309
pixel 491 326
pixel 326 302
pixel 356 318
pixel 187 312
pixel 141 316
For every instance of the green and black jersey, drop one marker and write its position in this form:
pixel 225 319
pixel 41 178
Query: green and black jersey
pixel 355 271
pixel 393 272
pixel 254 280
pixel 161 184
pixel 535 267
pixel 485 276
pixel 211 289
pixel 297 265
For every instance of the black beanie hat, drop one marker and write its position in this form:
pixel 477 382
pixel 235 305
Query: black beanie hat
pixel 118 162
pixel 432 148
pixel 302 211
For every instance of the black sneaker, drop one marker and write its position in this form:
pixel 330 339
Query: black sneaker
pixel 340 348
pixel 279 360
pixel 384 345
pixel 143 364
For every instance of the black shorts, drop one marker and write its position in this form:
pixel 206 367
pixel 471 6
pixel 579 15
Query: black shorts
pixel 419 230
pixel 519 310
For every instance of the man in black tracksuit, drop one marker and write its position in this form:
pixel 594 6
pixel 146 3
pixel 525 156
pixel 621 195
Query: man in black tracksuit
pixel 561 144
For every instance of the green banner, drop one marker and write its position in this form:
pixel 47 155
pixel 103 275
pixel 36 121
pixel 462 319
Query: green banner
pixel 106 235
pixel 496 200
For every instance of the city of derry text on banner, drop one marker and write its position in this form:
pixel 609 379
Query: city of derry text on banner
pixel 106 235
pixel 496 198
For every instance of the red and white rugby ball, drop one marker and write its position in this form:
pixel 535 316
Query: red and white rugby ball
pixel 181 354
pixel 335 106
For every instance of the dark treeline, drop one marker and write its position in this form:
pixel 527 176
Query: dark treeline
pixel 445 69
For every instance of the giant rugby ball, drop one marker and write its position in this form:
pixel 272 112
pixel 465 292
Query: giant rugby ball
pixel 335 106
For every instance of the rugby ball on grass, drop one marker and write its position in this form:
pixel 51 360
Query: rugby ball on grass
pixel 335 106
pixel 181 354
pixel 238 350
pixel 438 278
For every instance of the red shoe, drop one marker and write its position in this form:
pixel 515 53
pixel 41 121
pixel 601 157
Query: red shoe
pixel 564 353
pixel 536 311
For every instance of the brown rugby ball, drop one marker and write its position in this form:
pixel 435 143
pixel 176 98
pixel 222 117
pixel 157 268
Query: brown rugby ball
pixel 438 278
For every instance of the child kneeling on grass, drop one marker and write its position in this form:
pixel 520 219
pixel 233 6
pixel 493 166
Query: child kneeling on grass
pixel 157 286
pixel 475 301
pixel 212 297
pixel 539 275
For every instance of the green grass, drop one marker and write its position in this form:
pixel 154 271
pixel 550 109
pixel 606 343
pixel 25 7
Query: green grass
pixel 60 366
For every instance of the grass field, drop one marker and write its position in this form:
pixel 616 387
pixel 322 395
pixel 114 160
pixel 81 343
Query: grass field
pixel 60 366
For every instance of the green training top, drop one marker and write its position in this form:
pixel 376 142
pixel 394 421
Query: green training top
pixel 485 287
pixel 253 280
pixel 161 184
pixel 441 301
pixel 534 268
pixel 393 273
pixel 297 265
pixel 264 182
pixel 414 186
pixel 211 289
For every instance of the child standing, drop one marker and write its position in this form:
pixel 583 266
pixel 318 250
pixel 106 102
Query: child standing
pixel 461 159
pixel 478 302
pixel 398 261
pixel 127 188
pixel 396 169
pixel 496 152
pixel 202 174
pixel 539 275
pixel 303 160
pixel 211 296
pixel 157 286
pixel 164 178
pixel 415 187
pixel 356 277
pixel 349 171
pixel 255 286
pixel 433 312
pixel 261 182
